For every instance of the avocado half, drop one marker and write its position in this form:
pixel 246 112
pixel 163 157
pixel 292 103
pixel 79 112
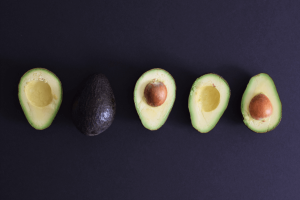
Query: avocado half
pixel 151 117
pixel 208 99
pixel 261 84
pixel 94 106
pixel 40 96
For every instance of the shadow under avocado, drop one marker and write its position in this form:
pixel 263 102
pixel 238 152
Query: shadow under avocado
pixel 237 79
pixel 184 80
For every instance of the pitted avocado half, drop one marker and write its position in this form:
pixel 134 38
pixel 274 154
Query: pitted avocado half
pixel 208 100
pixel 40 96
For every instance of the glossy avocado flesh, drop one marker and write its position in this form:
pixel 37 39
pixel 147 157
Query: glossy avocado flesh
pixel 40 96
pixel 208 100
pixel 261 85
pixel 154 115
pixel 94 105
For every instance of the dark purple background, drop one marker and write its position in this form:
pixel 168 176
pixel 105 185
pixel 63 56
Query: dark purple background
pixel 236 39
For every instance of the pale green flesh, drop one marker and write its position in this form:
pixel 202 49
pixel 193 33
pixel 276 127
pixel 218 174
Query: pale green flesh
pixel 40 96
pixel 261 83
pixel 153 118
pixel 207 105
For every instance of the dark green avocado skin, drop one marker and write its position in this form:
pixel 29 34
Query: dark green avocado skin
pixel 94 105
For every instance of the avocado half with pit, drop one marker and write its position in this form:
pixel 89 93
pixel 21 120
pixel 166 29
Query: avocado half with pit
pixel 261 106
pixel 40 96
pixel 154 97
pixel 208 100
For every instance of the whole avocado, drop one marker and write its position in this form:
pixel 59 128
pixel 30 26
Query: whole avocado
pixel 94 105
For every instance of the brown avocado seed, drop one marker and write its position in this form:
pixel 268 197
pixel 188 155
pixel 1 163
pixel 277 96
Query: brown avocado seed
pixel 260 107
pixel 155 93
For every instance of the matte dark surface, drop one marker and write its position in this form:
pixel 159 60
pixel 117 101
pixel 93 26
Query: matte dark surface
pixel 94 105
pixel 122 39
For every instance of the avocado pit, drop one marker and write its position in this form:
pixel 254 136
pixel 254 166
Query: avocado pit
pixel 155 93
pixel 260 107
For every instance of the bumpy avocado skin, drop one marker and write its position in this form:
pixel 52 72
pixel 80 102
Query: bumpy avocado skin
pixel 94 105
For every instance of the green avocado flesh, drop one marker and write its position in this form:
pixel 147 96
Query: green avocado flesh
pixel 261 84
pixel 208 100
pixel 154 117
pixel 40 96
pixel 94 106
